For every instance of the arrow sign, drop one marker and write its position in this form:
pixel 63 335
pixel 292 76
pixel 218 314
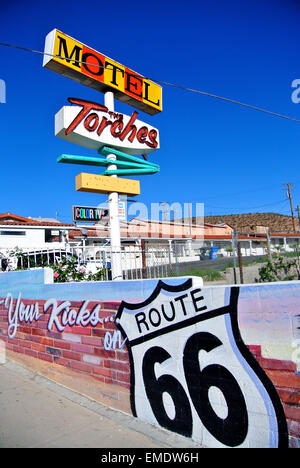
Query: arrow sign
pixel 125 163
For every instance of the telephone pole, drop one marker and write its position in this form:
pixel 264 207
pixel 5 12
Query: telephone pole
pixel 289 189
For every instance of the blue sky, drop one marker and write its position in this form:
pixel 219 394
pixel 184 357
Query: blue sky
pixel 232 159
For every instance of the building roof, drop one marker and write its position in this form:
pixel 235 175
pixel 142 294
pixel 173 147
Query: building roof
pixel 10 219
pixel 144 229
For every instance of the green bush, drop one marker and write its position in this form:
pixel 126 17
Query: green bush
pixel 281 269
pixel 69 270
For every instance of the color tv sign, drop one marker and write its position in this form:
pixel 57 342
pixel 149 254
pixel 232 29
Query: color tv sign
pixel 89 214
pixel 81 63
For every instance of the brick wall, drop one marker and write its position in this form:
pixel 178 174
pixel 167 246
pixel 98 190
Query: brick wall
pixel 286 380
pixel 78 348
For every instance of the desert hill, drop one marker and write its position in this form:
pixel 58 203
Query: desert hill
pixel 275 222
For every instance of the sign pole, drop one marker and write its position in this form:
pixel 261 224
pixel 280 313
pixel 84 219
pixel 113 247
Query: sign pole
pixel 113 207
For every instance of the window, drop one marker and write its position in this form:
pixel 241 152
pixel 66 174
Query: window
pixel 12 233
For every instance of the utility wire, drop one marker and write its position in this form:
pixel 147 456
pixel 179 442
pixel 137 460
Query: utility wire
pixel 228 100
pixel 204 93
pixel 249 207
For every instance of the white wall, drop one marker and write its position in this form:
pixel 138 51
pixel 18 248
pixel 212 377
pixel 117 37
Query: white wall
pixel 33 239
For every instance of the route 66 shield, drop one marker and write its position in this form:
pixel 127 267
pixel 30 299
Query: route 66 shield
pixel 192 374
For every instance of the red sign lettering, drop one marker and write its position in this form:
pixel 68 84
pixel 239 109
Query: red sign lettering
pixel 92 123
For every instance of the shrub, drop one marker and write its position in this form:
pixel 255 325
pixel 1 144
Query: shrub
pixel 69 270
pixel 281 269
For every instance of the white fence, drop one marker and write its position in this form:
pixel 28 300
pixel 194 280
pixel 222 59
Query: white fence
pixel 137 262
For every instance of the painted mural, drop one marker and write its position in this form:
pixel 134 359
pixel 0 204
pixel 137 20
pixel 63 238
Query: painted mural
pixel 217 364
pixel 192 373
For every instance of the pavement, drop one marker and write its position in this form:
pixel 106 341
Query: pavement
pixel 36 412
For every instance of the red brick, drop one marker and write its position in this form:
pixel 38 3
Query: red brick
pixel 53 351
pixel 81 348
pixel 25 329
pixel 109 326
pixel 26 344
pixel 76 304
pixel 45 357
pixel 277 364
pixel 284 379
pixel 43 318
pixel 289 396
pixel 27 301
pixel 100 371
pixel 122 355
pixel 92 304
pixel 89 340
pixel 123 377
pixel 42 340
pixel 292 412
pixel 38 347
pixel 111 305
pixel 68 329
pixel 21 336
pixel 100 332
pixel 61 361
pixel 99 378
pixel 255 349
pixel 38 331
pixel 81 366
pixel 13 341
pixel 54 335
pixel 116 365
pixel 82 330
pixel 42 325
pixel 100 351
pixel 71 355
pixel 30 352
pixel 61 344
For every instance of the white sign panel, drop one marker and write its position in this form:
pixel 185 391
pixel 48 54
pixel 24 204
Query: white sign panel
pixel 93 126
pixel 191 372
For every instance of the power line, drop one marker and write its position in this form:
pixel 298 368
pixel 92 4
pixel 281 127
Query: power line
pixel 204 93
pixel 264 188
pixel 248 208
pixel 228 100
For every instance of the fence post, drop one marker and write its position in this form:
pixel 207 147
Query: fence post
pixel 234 237
pixel 176 258
pixel 269 246
pixel 144 263
pixel 240 262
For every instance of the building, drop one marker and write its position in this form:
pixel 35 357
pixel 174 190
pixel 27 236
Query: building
pixel 18 232
pixel 143 242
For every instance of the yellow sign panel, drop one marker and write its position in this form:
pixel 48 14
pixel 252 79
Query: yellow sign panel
pixel 71 58
pixel 62 47
pixel 106 184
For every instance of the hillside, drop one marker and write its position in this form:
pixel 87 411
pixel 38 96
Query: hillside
pixel 275 222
